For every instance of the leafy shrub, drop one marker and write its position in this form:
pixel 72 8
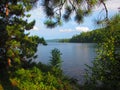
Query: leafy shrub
pixel 39 76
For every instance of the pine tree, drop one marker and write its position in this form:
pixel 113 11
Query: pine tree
pixel 15 45
pixel 59 10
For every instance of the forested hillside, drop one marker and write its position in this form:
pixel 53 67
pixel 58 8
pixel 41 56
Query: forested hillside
pixel 95 36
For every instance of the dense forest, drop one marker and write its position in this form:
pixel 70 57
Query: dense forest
pixel 18 71
pixel 89 37
pixel 94 36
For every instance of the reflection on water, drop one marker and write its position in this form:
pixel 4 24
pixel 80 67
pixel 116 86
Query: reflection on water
pixel 74 56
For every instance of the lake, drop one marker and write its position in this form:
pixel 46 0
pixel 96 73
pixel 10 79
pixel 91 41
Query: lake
pixel 74 57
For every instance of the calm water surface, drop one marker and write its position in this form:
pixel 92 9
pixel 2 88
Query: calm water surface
pixel 74 57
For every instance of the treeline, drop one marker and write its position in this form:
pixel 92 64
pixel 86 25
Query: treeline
pixel 94 36
pixel 64 40
pixel 88 37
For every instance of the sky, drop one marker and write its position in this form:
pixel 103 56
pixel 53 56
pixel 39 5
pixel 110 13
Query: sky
pixel 71 28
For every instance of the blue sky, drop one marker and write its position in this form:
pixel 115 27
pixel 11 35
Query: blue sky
pixel 68 29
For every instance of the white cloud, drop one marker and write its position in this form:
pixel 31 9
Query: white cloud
pixel 66 30
pixel 35 28
pixel 78 29
pixel 82 29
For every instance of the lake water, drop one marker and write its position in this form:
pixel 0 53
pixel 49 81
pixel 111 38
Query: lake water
pixel 74 57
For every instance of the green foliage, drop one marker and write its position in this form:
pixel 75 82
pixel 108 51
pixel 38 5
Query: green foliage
pixel 55 62
pixel 96 36
pixel 105 70
pixel 30 25
pixel 42 40
pixel 81 8
pixel 50 23
pixel 56 58
pixel 38 76
pixel 64 40
pixel 36 80
pixel 16 47
pixel 42 77
pixel 16 9
pixel 15 44
pixel 68 11
pixel 17 72
pixel 84 37
pixel 79 16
